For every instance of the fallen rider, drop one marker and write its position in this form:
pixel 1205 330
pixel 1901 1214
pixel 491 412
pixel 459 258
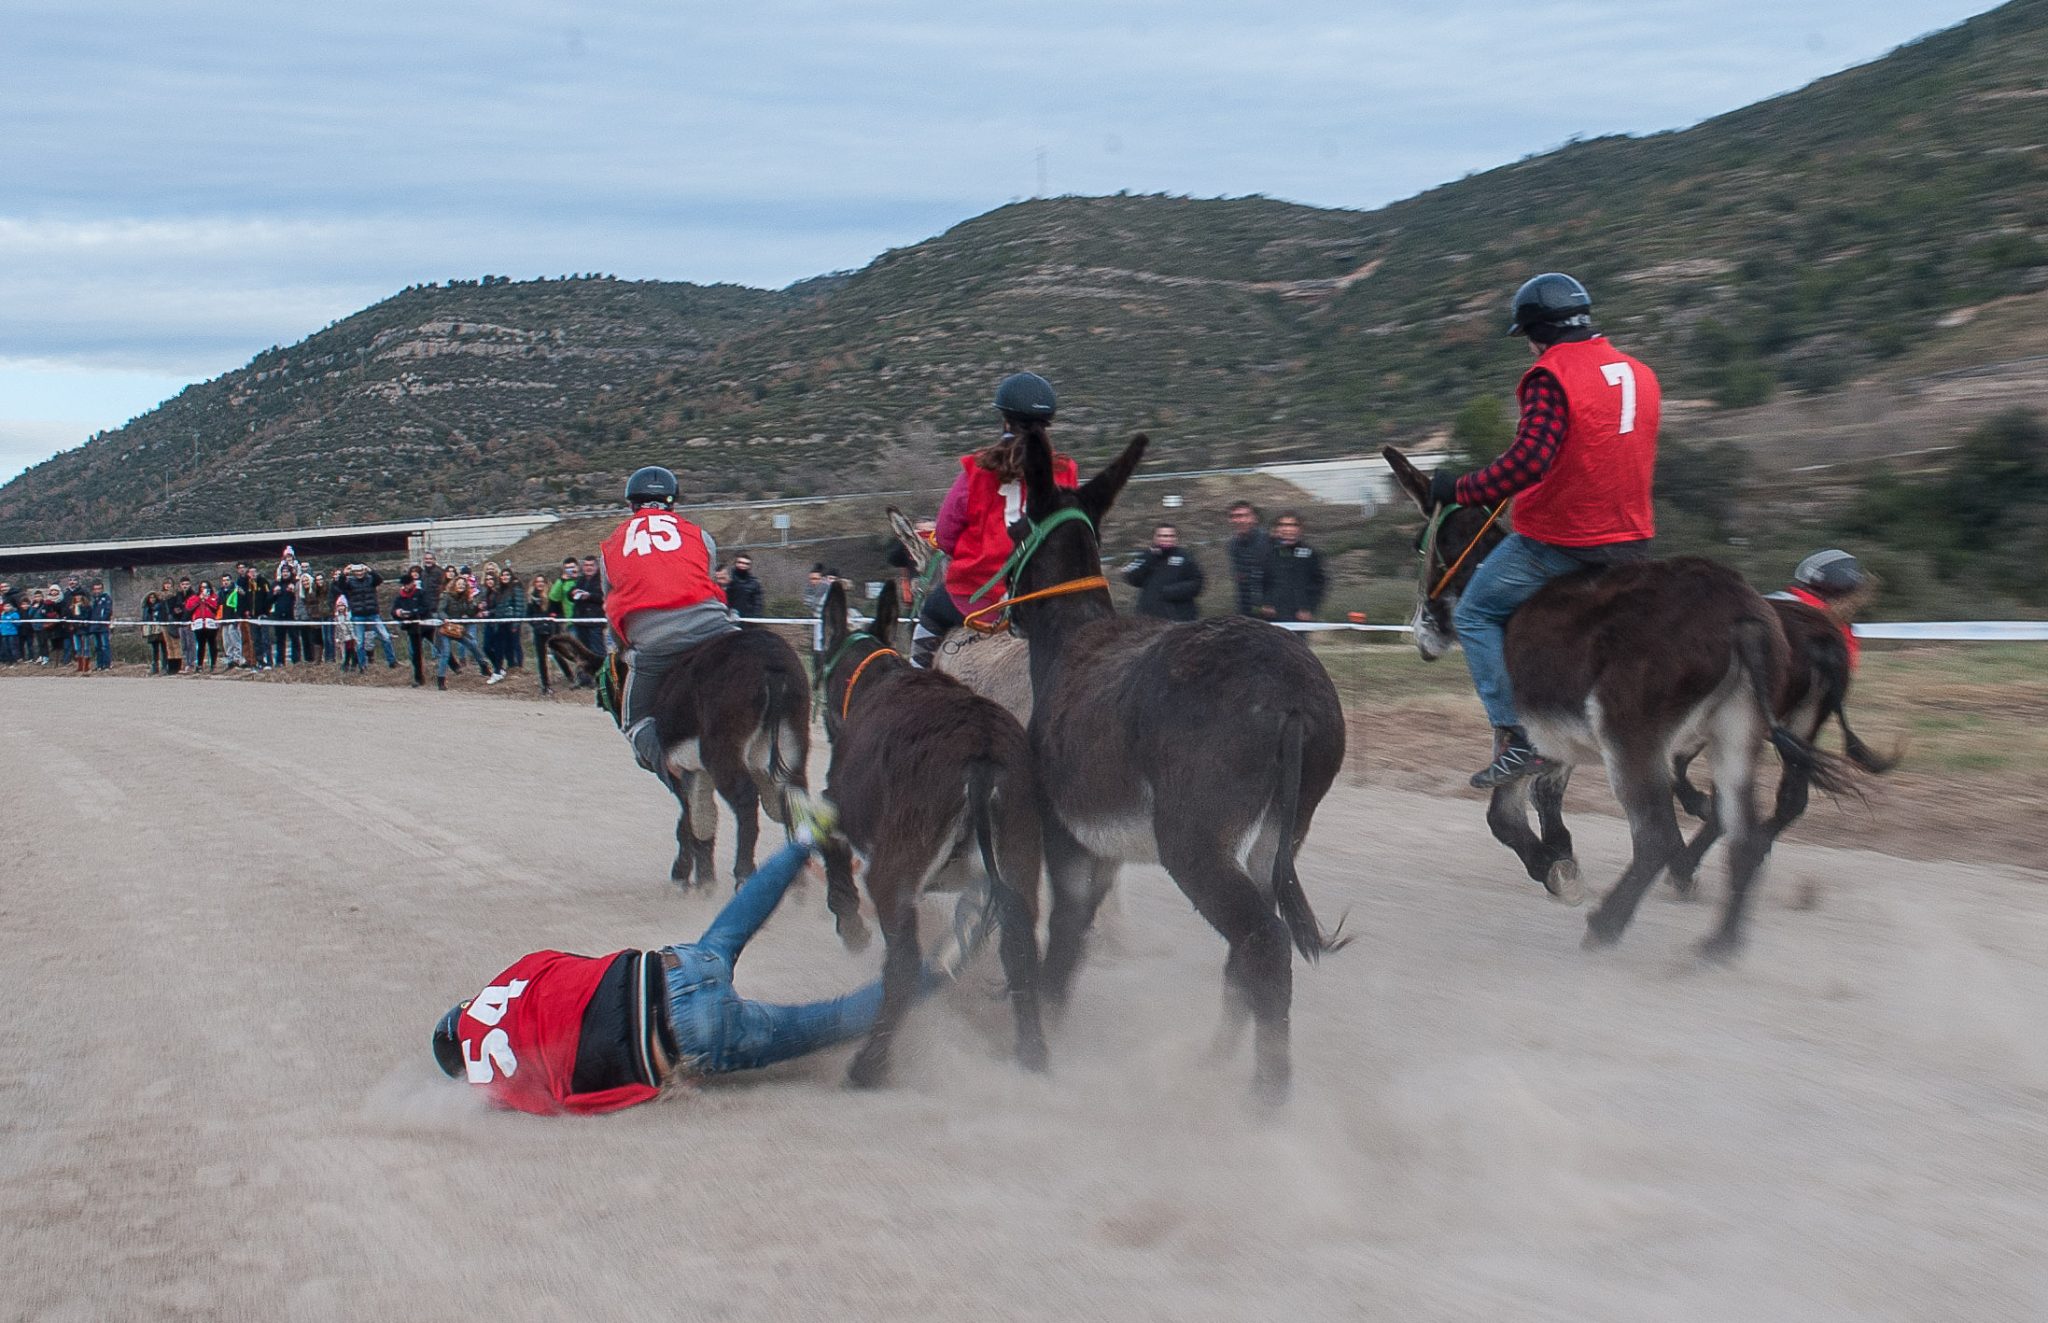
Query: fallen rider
pixel 568 1033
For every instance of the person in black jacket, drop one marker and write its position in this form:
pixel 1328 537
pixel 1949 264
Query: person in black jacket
pixel 1166 577
pixel 743 592
pixel 1294 574
pixel 1249 549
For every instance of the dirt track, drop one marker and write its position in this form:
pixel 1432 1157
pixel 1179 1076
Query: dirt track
pixel 232 911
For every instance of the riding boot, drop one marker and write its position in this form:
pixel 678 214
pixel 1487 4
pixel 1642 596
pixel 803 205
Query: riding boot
pixel 924 645
pixel 1513 758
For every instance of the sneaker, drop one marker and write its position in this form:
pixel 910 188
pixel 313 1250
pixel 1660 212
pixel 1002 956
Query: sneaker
pixel 1513 758
pixel 495 677
pixel 811 818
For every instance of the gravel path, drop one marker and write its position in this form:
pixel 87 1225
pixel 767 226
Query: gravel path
pixel 230 914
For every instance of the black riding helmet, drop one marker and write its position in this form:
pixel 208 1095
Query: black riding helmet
pixel 1027 395
pixel 653 485
pixel 1551 299
pixel 1830 573
pixel 447 1046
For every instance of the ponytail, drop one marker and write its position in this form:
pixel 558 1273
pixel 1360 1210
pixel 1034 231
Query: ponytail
pixel 1005 458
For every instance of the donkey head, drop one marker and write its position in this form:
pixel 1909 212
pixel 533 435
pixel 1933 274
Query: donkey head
pixel 1070 549
pixel 1442 545
pixel 846 648
pixel 912 542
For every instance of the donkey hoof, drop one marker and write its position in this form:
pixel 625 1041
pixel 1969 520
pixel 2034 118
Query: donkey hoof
pixel 1562 882
pixel 1721 948
pixel 854 934
pixel 1599 935
pixel 1032 1056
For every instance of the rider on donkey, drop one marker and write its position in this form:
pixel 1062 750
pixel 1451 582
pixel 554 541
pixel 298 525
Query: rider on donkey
pixel 660 598
pixel 975 517
pixel 556 1032
pixel 1580 472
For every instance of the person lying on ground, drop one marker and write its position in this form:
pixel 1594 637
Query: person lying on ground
pixel 557 1033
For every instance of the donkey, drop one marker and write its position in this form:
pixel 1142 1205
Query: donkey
pixel 1204 747
pixel 995 665
pixel 1816 688
pixel 922 770
pixel 1633 666
pixel 734 717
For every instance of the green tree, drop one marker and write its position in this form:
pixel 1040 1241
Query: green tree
pixel 1480 432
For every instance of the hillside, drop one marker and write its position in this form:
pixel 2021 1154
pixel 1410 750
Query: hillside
pixel 1837 237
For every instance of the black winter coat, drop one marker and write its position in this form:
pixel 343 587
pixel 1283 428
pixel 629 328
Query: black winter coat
pixel 1168 582
pixel 1294 581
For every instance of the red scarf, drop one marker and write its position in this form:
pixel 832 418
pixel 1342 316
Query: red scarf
pixel 1848 634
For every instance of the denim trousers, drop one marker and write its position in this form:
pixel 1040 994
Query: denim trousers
pixel 445 649
pixel 365 626
pixel 1508 577
pixel 716 1029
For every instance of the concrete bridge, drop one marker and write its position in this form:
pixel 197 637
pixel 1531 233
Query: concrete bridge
pixel 450 539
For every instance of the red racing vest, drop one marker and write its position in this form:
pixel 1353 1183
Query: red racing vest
pixel 655 561
pixel 1597 489
pixel 1798 594
pixel 984 542
pixel 519 1036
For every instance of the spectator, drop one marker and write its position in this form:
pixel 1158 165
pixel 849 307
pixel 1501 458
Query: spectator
pixel 204 607
pixel 101 609
pixel 589 597
pixel 153 630
pixel 231 604
pixel 319 609
pixel 816 585
pixel 345 632
pixel 743 592
pixel 506 603
pixel 181 616
pixel 359 584
pixel 1294 574
pixel 561 603
pixel 10 629
pixel 175 626
pixel 458 616
pixel 281 639
pixel 539 605
pixel 408 610
pixel 1166 577
pixel 1250 548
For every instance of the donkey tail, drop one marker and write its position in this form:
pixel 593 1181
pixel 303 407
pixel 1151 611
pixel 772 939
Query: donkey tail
pixel 1288 895
pixel 776 693
pixel 1753 654
pixel 972 923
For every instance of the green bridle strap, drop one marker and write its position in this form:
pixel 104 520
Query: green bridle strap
pixel 1029 546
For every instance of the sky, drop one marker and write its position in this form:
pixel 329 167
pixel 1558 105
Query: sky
pixel 182 186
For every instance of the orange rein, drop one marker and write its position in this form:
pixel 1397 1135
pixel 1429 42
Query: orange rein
pixel 1442 583
pixel 846 699
pixel 971 619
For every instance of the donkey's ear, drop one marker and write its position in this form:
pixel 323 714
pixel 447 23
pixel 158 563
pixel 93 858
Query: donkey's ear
pixel 1412 480
pixel 1041 493
pixel 834 615
pixel 887 610
pixel 1100 492
pixel 906 533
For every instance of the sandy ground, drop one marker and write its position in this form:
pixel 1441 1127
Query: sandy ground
pixel 231 913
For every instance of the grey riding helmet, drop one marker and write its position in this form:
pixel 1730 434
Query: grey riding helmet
pixel 1027 395
pixel 653 485
pixel 1829 573
pixel 1551 299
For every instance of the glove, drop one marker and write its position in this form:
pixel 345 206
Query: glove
pixel 1443 489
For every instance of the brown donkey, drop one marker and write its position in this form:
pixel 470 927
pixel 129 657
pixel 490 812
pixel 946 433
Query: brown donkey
pixel 1815 690
pixel 1204 747
pixel 923 771
pixel 995 665
pixel 1631 666
pixel 735 717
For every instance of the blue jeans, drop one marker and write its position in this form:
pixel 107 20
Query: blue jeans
pixel 365 625
pixel 1508 577
pixel 716 1029
pixel 102 648
pixel 445 648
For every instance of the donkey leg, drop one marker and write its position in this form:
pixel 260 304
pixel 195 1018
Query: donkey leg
pixel 1561 866
pixel 1260 967
pixel 1748 842
pixel 679 871
pixel 1019 950
pixel 842 897
pixel 900 969
pixel 703 822
pixel 1079 883
pixel 746 812
pixel 1507 817
pixel 1643 785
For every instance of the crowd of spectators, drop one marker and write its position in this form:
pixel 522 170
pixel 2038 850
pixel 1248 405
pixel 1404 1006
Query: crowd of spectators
pixel 1274 575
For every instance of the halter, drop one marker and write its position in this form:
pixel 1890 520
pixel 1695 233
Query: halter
pixel 1436 521
pixel 1015 565
pixel 838 654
